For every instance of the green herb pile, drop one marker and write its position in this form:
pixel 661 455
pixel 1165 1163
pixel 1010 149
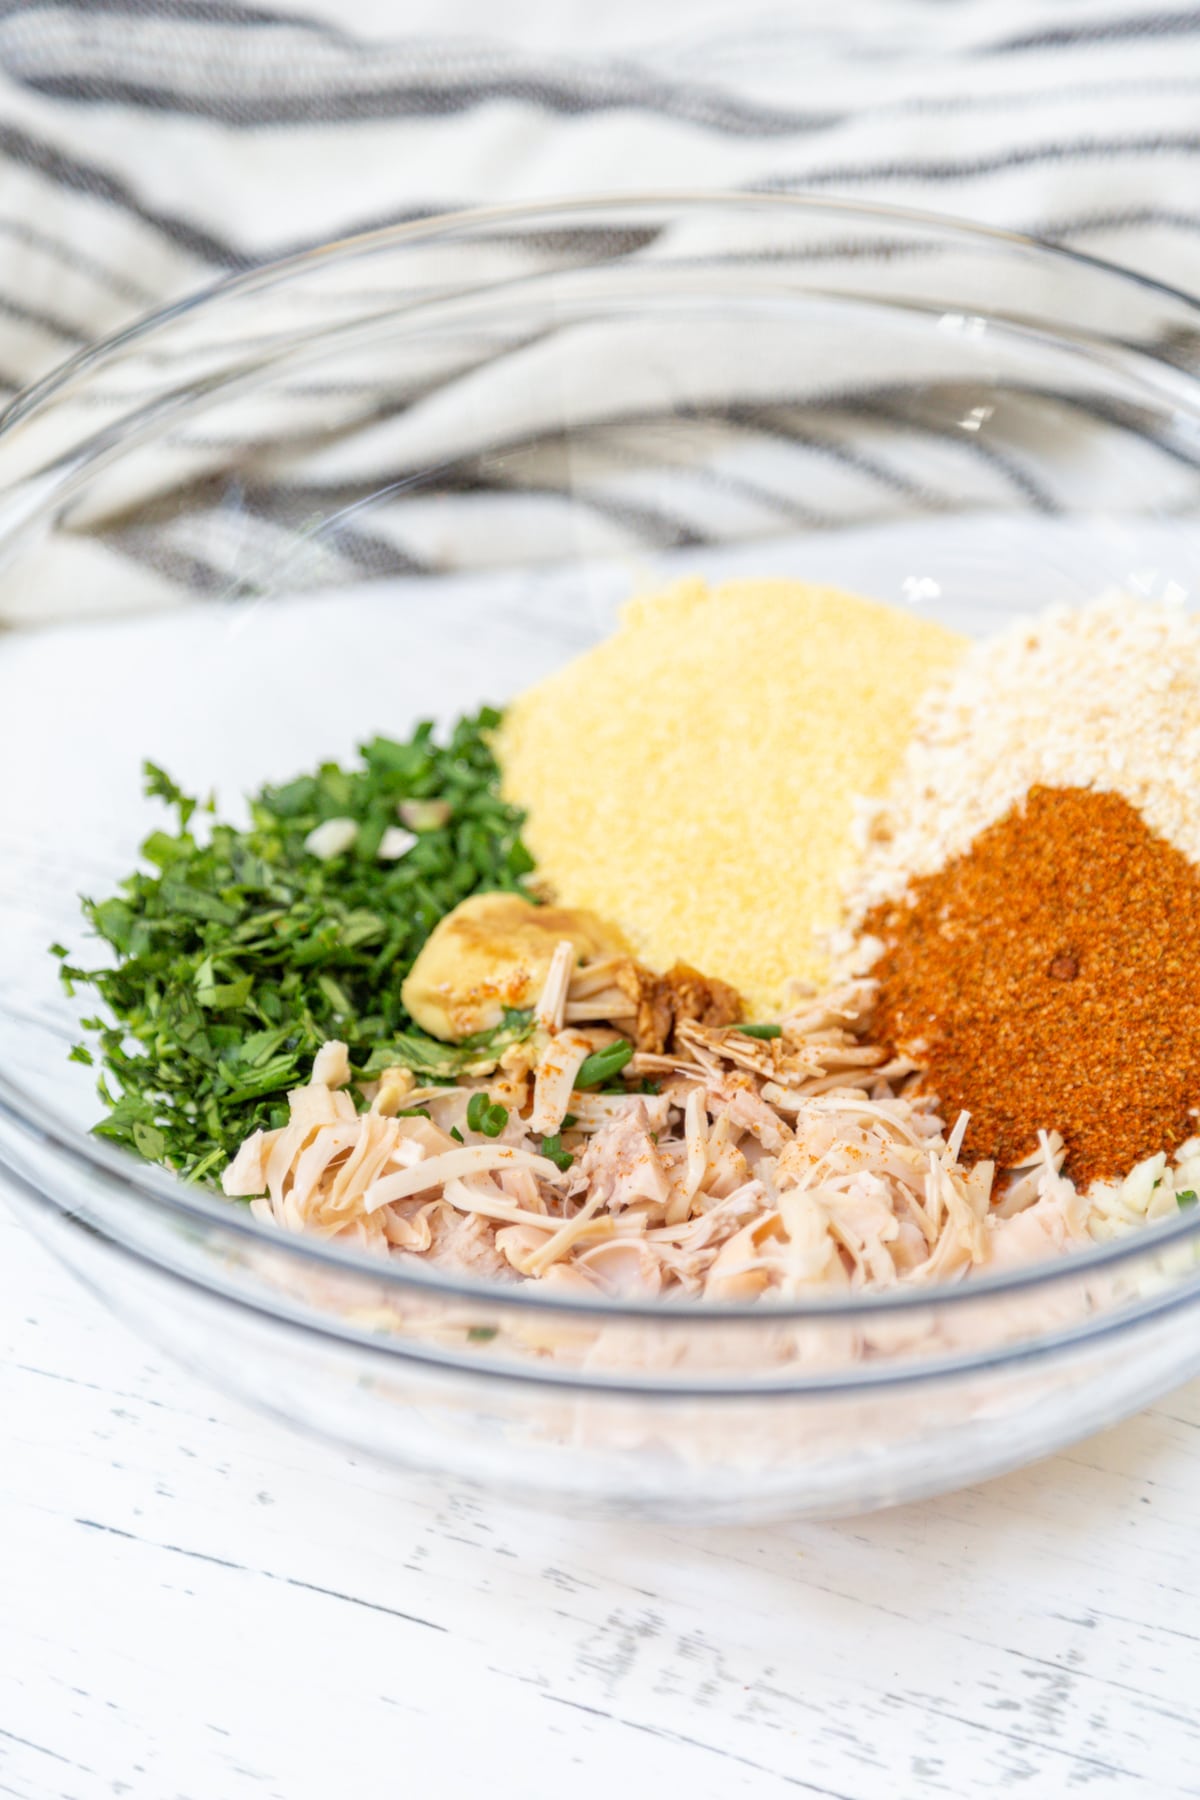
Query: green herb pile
pixel 239 952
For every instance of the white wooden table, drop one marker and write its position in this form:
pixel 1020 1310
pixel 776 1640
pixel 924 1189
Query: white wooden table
pixel 198 1605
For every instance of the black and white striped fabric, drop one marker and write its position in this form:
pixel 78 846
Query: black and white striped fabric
pixel 148 147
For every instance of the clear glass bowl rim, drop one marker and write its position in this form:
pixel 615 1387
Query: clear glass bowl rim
pixel 82 1151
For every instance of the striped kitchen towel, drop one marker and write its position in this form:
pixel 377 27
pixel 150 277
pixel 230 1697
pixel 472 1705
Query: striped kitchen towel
pixel 148 147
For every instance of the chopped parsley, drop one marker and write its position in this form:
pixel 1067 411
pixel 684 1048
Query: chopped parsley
pixel 238 952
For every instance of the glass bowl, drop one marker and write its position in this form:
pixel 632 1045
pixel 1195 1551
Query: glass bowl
pixel 408 473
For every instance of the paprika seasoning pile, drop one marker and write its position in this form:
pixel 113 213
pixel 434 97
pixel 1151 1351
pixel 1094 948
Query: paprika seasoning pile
pixel 1049 978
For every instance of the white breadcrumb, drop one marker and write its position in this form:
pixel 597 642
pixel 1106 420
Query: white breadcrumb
pixel 1105 696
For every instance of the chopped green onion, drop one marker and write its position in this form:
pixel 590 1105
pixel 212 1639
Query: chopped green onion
pixel 494 1121
pixel 602 1064
pixel 483 1116
pixel 482 1334
pixel 456 1134
pixel 553 1148
pixel 760 1031
pixel 1186 1198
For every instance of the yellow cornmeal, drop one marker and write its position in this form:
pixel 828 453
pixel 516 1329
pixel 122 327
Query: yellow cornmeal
pixel 693 778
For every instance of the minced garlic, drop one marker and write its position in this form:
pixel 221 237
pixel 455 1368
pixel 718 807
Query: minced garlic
pixel 694 778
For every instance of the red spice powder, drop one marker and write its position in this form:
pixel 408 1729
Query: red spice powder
pixel 1050 978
